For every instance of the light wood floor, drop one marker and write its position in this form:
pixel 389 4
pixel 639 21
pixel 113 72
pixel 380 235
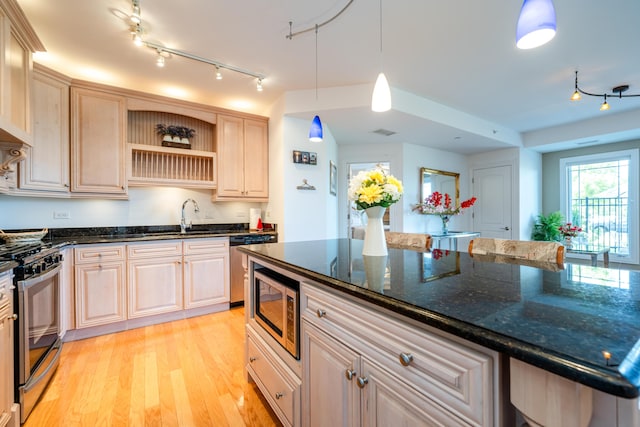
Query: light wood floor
pixel 183 373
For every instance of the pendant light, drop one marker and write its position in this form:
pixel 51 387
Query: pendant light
pixel 536 24
pixel 381 98
pixel 315 132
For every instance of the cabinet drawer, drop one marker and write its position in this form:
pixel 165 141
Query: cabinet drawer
pixel 456 376
pixel 99 253
pixel 156 249
pixel 275 388
pixel 202 246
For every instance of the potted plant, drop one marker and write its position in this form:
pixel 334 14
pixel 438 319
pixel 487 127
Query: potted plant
pixel 547 228
pixel 175 136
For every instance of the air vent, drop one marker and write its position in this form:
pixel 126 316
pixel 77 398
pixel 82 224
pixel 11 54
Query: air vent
pixel 384 132
pixel 591 142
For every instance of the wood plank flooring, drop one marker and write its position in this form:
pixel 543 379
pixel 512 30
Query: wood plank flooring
pixel 182 373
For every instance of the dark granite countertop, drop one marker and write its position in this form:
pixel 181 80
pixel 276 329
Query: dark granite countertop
pixel 7 265
pixel 558 319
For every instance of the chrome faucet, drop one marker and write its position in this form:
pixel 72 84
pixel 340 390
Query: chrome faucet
pixel 183 223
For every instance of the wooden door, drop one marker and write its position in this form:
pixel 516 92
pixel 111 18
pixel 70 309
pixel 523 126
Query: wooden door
pixel 100 293
pixel 230 153
pixel 256 159
pixel 206 280
pixel 46 167
pixel 329 374
pixel 493 210
pixel 98 121
pixel 155 286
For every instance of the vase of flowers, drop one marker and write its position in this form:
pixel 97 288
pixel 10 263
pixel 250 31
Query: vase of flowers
pixel 568 232
pixel 442 205
pixel 175 136
pixel 374 191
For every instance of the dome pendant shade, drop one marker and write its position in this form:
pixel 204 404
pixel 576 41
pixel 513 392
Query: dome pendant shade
pixel 315 133
pixel 536 24
pixel 381 98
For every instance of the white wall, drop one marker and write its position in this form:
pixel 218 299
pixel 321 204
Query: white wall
pixel 146 206
pixel 530 168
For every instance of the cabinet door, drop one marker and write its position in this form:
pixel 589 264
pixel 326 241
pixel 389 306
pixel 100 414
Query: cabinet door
pixel 230 152
pixel 100 297
pixel 6 349
pixel 97 142
pixel 155 286
pixel 46 167
pixel 206 280
pixel 256 159
pixel 388 401
pixel 330 372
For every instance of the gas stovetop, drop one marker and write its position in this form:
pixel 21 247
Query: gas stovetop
pixel 26 252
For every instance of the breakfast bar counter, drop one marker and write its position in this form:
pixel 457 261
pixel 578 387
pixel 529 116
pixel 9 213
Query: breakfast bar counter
pixel 579 322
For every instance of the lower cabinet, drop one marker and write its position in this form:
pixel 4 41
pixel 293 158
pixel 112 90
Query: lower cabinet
pixel 154 278
pixel 6 351
pixel 279 385
pixel 100 278
pixel 362 367
pixel 206 272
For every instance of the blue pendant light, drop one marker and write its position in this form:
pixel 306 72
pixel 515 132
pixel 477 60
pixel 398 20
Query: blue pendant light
pixel 536 24
pixel 315 133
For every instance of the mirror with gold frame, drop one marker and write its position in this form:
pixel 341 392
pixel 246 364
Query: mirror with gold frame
pixel 436 180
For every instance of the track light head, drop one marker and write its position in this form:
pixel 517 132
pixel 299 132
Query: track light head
pixel 135 14
pixel 259 85
pixel 136 34
pixel 160 59
pixel 218 73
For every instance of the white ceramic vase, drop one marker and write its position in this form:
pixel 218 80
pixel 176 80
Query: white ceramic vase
pixel 374 241
pixel 375 268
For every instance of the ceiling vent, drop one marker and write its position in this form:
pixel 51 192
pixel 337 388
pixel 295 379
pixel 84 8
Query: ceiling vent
pixel 384 132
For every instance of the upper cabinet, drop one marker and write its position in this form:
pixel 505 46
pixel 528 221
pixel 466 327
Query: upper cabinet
pixel 46 168
pixel 17 42
pixel 242 146
pixel 98 129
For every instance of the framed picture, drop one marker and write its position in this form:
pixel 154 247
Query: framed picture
pixel 313 158
pixel 333 178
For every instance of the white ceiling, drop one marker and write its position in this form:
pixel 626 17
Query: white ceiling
pixel 458 81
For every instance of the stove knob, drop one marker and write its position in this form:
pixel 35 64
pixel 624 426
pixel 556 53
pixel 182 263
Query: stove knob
pixel 35 269
pixel 44 266
pixel 28 270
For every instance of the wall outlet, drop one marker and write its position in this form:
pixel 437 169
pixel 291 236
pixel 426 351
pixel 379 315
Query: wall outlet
pixel 61 214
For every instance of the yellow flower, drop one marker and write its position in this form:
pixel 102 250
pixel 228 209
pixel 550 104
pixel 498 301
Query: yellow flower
pixel 371 194
pixel 377 176
pixel 392 180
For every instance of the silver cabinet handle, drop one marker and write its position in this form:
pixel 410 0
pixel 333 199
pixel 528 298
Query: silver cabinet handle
pixel 362 381
pixel 279 395
pixel 13 317
pixel 252 359
pixel 506 228
pixel 350 373
pixel 321 313
pixel 406 359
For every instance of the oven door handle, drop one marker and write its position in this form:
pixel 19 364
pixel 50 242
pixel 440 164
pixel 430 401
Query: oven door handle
pixel 27 283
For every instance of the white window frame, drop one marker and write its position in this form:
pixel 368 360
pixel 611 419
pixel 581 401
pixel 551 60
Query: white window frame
pixel 633 156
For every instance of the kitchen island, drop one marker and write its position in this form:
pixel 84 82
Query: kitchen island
pixel 577 325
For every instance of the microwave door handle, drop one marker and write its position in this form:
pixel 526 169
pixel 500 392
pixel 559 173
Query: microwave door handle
pixel 27 283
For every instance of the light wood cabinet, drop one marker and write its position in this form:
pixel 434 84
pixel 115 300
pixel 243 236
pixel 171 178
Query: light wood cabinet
pixel 405 375
pixel 45 171
pixel 98 156
pixel 100 274
pixel 154 278
pixel 6 349
pixel 243 156
pixel 206 272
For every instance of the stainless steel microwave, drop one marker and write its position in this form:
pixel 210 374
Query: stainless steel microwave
pixel 276 306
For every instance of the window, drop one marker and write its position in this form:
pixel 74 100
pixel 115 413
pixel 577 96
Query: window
pixel 599 193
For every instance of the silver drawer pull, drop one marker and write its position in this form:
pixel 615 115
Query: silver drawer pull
pixel 362 381
pixel 13 317
pixel 406 359
pixel 321 313
pixel 252 359
pixel 350 373
pixel 279 395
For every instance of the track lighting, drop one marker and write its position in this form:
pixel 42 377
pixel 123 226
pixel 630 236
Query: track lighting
pixel 617 92
pixel 135 15
pixel 166 52
pixel 536 24
pixel 160 59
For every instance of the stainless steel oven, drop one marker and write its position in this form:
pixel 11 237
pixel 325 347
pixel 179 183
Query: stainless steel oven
pixel 277 307
pixel 38 343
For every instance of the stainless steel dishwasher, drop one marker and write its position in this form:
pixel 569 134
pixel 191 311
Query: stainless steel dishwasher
pixel 235 262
